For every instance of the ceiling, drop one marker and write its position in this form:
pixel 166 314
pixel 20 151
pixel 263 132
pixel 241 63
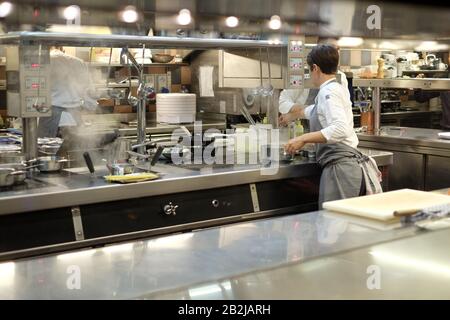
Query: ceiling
pixel 400 20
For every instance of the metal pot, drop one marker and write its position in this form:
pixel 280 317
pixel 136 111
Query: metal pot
pixel 50 163
pixel 17 167
pixel 7 176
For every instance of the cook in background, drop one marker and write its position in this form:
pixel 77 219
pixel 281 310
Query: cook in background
pixel 424 96
pixel 291 100
pixel 346 171
pixel 72 91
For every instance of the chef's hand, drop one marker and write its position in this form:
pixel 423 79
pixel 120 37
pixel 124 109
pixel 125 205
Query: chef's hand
pixel 294 145
pixel 285 119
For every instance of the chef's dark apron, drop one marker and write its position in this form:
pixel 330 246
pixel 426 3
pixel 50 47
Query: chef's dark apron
pixel 342 176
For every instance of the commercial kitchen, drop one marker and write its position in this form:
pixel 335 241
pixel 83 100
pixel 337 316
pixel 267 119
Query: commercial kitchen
pixel 174 182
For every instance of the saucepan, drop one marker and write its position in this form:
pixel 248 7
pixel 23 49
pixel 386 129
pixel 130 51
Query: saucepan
pixel 50 163
pixel 17 167
pixel 7 176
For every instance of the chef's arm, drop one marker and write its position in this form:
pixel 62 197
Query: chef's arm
pixel 313 137
pixel 299 142
pixel 296 112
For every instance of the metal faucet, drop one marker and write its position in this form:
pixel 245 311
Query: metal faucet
pixel 140 100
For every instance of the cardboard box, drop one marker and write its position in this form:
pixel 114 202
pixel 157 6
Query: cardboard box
pixel 123 109
pixel 106 102
pixel 185 75
pixel 176 88
pixel 156 70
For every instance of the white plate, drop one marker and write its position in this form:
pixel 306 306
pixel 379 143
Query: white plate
pixel 444 135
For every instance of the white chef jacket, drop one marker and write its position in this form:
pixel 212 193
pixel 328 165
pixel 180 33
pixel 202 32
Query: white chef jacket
pixel 70 85
pixel 334 109
pixel 289 97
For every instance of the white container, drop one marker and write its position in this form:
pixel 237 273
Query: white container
pixel 175 108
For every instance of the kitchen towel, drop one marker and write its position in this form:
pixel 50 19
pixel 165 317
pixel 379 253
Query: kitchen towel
pixel 206 81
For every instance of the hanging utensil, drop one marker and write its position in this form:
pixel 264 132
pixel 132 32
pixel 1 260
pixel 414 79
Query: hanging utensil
pixel 268 90
pixel 247 115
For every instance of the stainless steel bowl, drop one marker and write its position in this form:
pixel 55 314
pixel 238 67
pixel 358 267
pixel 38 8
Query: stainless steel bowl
pixel 162 58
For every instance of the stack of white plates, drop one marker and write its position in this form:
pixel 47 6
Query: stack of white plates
pixel 444 135
pixel 175 107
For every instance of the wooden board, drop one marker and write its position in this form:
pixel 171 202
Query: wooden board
pixel 382 206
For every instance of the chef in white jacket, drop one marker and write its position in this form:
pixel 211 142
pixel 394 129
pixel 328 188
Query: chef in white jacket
pixel 346 172
pixel 291 100
pixel 72 91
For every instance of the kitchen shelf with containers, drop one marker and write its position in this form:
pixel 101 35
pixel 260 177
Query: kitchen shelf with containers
pixel 113 80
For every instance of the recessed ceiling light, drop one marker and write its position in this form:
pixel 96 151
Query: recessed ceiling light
pixel 275 22
pixel 129 14
pixel 184 17
pixel 232 22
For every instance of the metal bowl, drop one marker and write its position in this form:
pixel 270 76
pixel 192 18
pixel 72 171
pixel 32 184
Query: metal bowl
pixel 162 58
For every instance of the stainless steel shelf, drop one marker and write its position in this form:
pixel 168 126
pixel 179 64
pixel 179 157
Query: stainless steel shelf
pixel 102 64
pixel 120 41
pixel 425 83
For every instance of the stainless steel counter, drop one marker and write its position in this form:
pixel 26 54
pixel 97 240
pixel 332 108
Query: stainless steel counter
pixel 311 255
pixel 421 159
pixel 417 137
pixel 104 123
pixel 405 83
pixel 154 128
pixel 77 186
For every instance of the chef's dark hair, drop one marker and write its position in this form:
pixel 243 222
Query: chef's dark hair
pixel 326 56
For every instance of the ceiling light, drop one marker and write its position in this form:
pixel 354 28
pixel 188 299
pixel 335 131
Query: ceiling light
pixel 350 42
pixel 5 9
pixel 71 12
pixel 431 46
pixel 275 22
pixel 129 15
pixel 232 22
pixel 184 17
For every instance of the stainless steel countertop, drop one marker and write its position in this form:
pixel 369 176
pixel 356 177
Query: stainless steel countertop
pixel 154 127
pixel 403 113
pixel 77 186
pixel 232 262
pixel 409 268
pixel 405 83
pixel 408 136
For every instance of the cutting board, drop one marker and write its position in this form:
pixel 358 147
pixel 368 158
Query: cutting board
pixel 381 206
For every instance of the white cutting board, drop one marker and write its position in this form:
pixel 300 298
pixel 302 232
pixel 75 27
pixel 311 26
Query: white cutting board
pixel 381 206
